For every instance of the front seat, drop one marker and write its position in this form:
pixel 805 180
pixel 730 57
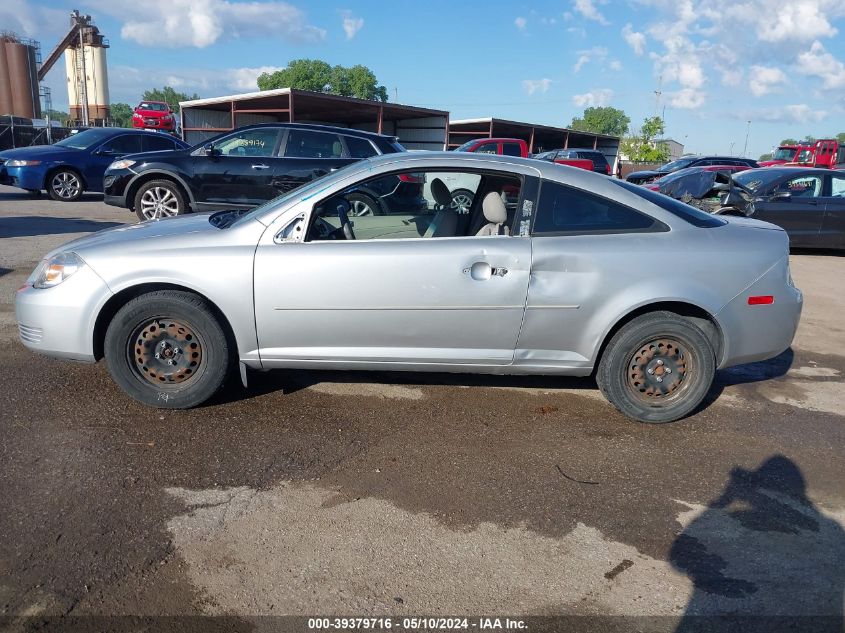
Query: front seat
pixel 445 222
pixel 496 215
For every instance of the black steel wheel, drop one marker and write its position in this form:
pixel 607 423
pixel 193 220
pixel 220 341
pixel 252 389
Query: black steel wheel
pixel 657 368
pixel 167 349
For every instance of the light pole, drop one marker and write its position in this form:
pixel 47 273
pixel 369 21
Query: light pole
pixel 747 131
pixel 731 150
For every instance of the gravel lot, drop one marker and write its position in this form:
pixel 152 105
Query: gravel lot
pixel 409 494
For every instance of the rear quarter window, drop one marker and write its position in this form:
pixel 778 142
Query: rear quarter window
pixel 359 147
pixel 677 208
pixel 563 210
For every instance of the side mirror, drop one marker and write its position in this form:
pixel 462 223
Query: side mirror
pixel 210 150
pixel 780 196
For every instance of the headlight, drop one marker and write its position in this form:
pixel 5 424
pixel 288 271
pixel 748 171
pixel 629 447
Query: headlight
pixel 21 163
pixel 51 272
pixel 121 164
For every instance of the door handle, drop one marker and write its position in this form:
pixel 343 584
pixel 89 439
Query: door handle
pixel 260 166
pixel 482 271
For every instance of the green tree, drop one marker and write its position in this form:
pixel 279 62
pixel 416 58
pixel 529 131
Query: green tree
pixel 765 156
pixel 808 140
pixel 318 76
pixel 642 147
pixel 602 120
pixel 169 96
pixel 121 114
pixel 57 115
pixel 841 137
pixel 789 141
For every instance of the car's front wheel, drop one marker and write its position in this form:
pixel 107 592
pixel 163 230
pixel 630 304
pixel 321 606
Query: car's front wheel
pixel 362 205
pixel 167 349
pixel 159 199
pixel 65 185
pixel 657 368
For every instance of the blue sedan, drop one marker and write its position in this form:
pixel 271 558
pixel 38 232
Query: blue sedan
pixel 76 164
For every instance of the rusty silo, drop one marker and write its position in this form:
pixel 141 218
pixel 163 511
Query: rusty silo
pixel 18 77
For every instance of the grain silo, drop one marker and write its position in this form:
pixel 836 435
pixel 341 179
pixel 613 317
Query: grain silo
pixel 87 75
pixel 19 94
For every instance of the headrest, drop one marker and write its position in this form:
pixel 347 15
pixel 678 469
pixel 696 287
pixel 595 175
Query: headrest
pixel 441 193
pixel 494 209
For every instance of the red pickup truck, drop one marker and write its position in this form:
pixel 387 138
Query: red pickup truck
pixel 824 153
pixel 515 147
pixel 784 154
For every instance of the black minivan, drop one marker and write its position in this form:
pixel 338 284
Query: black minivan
pixel 239 169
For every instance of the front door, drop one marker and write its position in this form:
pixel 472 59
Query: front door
pixel 797 206
pixel 428 291
pixel 833 226
pixel 240 172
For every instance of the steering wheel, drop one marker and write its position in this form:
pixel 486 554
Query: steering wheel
pixel 345 224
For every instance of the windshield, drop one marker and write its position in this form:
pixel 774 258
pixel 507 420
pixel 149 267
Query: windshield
pixel 155 107
pixel 465 147
pixel 86 139
pixel 784 153
pixel 304 192
pixel 675 165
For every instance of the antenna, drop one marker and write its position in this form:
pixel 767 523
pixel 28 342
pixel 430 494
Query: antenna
pixel 395 93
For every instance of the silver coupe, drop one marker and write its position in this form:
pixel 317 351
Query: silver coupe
pixel 543 269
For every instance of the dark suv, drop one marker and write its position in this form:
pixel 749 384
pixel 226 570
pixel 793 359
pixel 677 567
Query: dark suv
pixel 642 177
pixel 600 164
pixel 239 169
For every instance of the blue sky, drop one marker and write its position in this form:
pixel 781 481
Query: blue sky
pixel 717 63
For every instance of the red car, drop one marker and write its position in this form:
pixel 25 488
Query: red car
pixel 784 154
pixel 154 115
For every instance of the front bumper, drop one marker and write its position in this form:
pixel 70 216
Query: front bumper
pixel 29 177
pixel 759 332
pixel 150 123
pixel 59 321
pixel 115 185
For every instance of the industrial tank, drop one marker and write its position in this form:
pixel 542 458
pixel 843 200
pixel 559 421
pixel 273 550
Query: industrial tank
pixel 18 78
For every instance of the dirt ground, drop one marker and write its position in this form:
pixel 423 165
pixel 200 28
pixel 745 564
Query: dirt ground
pixel 318 493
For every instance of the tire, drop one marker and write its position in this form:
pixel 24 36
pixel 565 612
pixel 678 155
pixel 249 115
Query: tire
pixel 362 205
pixel 657 368
pixel 462 201
pixel 65 185
pixel 195 355
pixel 158 199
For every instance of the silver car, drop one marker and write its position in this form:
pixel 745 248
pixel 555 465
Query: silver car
pixel 549 270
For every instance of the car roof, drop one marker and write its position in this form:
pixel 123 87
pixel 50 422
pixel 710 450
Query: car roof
pixel 348 131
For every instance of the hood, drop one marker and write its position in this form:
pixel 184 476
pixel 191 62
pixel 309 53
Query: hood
pixel 770 163
pixel 153 114
pixel 696 185
pixel 36 152
pixel 119 237
pixel 649 173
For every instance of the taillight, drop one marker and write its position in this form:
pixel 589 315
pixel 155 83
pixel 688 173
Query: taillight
pixel 607 168
pixel 761 300
pixel 414 178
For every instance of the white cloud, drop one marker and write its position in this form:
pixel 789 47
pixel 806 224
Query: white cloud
pixel 615 65
pixel 596 98
pixel 521 23
pixel 586 56
pixel 635 40
pixel 765 79
pixel 182 23
pixel 802 20
pixel 536 85
pixel 33 22
pixel 246 79
pixel 587 8
pixel 351 24
pixel 817 62
pixel 687 99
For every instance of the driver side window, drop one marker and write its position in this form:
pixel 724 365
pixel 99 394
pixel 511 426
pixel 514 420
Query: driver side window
pixel 255 142
pixel 414 205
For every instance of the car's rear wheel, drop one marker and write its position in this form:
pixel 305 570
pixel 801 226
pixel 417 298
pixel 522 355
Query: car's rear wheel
pixel 167 349
pixel 65 185
pixel 657 368
pixel 361 204
pixel 159 199
pixel 462 201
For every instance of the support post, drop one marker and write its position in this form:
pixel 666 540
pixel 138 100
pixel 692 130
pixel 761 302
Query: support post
pixel 380 118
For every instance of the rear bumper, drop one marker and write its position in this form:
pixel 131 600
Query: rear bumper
pixel 59 321
pixel 758 332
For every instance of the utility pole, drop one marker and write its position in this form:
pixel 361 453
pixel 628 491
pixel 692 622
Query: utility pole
pixel 657 95
pixel 747 132
pixel 731 150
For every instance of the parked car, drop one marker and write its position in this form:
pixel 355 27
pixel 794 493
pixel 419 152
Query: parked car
pixel 172 306
pixel 808 203
pixel 501 146
pixel 597 158
pixel 558 157
pixel 784 154
pixel 76 164
pixel 240 169
pixel 641 177
pixel 154 115
pixel 701 187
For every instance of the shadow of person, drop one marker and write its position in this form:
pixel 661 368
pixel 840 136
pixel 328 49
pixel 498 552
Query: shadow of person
pixel 762 557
